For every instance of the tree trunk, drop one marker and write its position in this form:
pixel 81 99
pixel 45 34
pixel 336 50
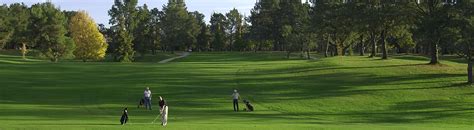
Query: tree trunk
pixel 301 53
pixel 384 45
pixel 362 48
pixel 434 54
pixel 288 54
pixel 24 50
pixel 350 50
pixel 276 46
pixel 469 71
pixel 307 54
pixel 327 47
pixel 333 50
pixel 374 45
pixel 339 49
pixel 469 64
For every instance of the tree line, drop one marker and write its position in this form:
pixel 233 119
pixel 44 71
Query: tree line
pixel 56 34
pixel 140 30
pixel 345 27
pixel 331 27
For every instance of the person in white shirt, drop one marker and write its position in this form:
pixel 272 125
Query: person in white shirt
pixel 147 96
pixel 236 97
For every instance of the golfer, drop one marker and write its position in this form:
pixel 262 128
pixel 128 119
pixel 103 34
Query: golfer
pixel 163 111
pixel 236 97
pixel 147 96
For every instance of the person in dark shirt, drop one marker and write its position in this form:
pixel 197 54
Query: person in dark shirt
pixel 162 102
pixel 163 111
pixel 124 118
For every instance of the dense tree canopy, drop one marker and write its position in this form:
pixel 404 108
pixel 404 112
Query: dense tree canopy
pixel 90 43
pixel 235 27
pixel 180 28
pixel 48 23
pixel 19 15
pixel 123 19
pixel 5 28
pixel 143 38
pixel 218 30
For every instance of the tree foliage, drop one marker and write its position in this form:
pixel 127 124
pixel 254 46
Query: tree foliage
pixel 123 21
pixel 48 23
pixel 19 15
pixel 5 28
pixel 180 28
pixel 218 30
pixel 90 43
pixel 234 27
pixel 143 33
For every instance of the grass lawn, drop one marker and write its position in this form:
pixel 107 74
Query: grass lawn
pixel 331 93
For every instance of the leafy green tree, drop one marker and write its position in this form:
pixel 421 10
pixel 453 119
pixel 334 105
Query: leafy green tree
pixel 402 38
pixel 155 30
pixel 294 23
pixel 108 34
pixel 235 26
pixel 19 15
pixel 372 9
pixel 243 43
pixel 180 29
pixel 204 39
pixel 218 28
pixel 263 28
pixel 392 20
pixel 123 22
pixel 143 33
pixel 90 43
pixel 339 25
pixel 48 22
pixel 463 30
pixel 5 28
pixel 204 36
pixel 320 24
pixel 193 28
pixel 124 51
pixel 433 17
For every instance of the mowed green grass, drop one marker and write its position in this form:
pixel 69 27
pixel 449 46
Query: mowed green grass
pixel 328 93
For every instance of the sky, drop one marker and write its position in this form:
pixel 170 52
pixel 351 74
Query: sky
pixel 98 9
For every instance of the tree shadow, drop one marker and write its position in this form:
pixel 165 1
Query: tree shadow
pixel 415 112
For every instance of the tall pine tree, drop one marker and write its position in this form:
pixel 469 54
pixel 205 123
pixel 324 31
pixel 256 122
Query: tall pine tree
pixel 123 20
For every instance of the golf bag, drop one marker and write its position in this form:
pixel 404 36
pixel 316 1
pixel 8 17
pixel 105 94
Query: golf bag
pixel 141 102
pixel 124 118
pixel 248 105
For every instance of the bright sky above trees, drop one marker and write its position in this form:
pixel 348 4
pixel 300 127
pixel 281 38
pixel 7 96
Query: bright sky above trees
pixel 97 9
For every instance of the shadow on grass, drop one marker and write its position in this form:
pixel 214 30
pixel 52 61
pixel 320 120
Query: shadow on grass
pixel 78 124
pixel 415 112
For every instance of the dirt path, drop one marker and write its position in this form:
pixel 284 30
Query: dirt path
pixel 184 54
